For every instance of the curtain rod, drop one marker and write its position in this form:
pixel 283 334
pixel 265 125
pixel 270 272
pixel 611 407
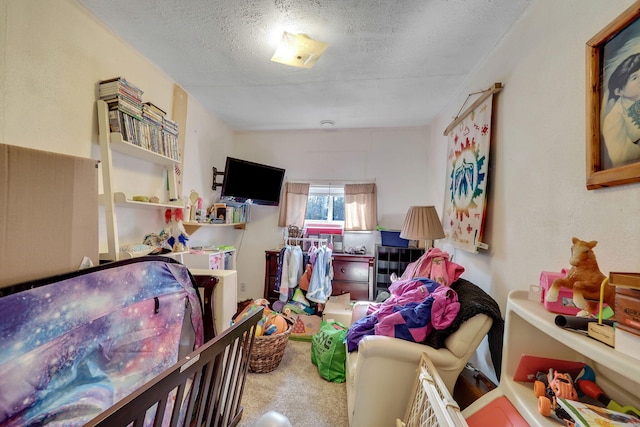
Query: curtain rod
pixel 331 181
pixel 497 87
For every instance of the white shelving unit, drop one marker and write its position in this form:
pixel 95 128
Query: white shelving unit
pixel 109 142
pixel 530 329
pixel 193 226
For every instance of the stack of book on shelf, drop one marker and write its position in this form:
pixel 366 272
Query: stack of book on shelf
pixel 627 312
pixel 170 136
pixel 238 212
pixel 125 106
pixel 144 125
pixel 151 128
pixel 230 213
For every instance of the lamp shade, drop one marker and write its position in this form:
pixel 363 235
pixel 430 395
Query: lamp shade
pixel 422 223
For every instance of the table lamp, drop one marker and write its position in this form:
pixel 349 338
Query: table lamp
pixel 422 223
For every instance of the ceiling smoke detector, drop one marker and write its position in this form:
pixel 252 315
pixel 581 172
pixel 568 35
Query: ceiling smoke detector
pixel 298 50
pixel 327 123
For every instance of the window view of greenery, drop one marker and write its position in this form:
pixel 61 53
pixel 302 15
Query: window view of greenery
pixel 325 204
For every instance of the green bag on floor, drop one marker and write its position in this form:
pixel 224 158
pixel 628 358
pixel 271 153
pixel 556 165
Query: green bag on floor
pixel 329 352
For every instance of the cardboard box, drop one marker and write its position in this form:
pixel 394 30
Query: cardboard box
pixel 564 304
pixel 48 213
pixel 339 309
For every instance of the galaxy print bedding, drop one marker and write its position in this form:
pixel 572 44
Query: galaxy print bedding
pixel 72 348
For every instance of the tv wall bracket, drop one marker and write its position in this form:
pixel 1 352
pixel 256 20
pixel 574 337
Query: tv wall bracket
pixel 215 184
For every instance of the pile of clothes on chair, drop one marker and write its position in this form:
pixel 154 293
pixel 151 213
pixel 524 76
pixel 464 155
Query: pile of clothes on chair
pixel 420 302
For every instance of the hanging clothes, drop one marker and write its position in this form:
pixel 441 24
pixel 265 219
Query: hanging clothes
pixel 295 268
pixel 291 271
pixel 284 275
pixel 276 285
pixel 320 283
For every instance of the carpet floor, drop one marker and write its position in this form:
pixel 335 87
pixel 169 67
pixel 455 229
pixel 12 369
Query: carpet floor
pixel 296 390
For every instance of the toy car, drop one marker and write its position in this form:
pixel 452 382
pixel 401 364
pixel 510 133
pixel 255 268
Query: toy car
pixel 551 386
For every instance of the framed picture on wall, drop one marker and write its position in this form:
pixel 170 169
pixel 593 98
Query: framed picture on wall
pixel 613 102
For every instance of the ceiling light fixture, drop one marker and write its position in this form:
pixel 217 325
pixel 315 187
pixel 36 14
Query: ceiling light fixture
pixel 298 50
pixel 327 123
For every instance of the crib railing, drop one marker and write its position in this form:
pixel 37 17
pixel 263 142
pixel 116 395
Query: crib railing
pixel 203 389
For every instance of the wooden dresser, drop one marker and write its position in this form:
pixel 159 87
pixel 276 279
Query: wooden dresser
pixel 351 273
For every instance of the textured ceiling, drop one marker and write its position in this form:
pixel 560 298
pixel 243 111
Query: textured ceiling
pixel 389 62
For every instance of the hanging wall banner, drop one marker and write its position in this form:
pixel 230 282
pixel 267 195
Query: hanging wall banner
pixel 467 174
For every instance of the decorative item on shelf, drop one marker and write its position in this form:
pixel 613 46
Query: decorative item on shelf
pixel 193 198
pixel 423 224
pixel 178 235
pixel 584 278
pixel 159 241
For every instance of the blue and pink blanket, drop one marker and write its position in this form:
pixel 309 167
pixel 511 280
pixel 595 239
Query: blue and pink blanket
pixel 71 348
pixel 415 308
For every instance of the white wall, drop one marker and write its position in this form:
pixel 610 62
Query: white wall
pixel 393 158
pixel 537 198
pixel 53 55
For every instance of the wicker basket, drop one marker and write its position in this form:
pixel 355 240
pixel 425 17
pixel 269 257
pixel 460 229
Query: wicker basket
pixel 267 351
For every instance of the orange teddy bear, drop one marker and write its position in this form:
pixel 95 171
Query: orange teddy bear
pixel 584 278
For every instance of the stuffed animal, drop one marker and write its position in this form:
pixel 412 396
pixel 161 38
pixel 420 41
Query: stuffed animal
pixel 585 278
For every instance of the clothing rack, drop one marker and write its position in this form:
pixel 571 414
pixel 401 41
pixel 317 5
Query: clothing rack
pixel 288 240
pixel 298 240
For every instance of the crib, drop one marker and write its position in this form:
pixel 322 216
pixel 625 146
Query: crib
pixel 120 344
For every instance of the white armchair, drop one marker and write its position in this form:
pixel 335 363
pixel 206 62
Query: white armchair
pixel 381 374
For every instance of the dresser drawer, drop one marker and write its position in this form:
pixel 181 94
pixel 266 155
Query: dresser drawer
pixel 351 270
pixel 358 290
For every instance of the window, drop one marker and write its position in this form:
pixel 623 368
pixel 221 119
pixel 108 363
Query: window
pixel 325 205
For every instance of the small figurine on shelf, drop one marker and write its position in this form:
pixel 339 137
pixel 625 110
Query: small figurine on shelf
pixel 178 235
pixel 584 278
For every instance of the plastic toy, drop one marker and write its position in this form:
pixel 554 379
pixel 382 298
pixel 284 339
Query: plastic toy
pixel 179 237
pixel 275 324
pixel 551 386
pixel 594 391
pixel 584 278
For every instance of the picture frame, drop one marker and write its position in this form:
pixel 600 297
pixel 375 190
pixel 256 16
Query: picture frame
pixel 611 160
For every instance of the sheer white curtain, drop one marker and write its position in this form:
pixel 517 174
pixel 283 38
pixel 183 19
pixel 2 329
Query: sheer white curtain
pixel 360 207
pixel 293 204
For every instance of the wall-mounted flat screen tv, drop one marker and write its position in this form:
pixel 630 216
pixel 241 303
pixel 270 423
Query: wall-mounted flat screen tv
pixel 245 180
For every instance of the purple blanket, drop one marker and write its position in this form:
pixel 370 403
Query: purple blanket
pixel 416 307
pixel 71 348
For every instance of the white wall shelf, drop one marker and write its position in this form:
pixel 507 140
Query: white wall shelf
pixel 530 329
pixel 125 147
pixel 121 198
pixel 193 226
pixel 110 142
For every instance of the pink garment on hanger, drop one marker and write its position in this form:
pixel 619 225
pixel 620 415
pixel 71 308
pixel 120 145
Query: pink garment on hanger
pixel 435 265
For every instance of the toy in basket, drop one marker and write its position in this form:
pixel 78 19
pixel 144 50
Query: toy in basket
pixel 272 335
